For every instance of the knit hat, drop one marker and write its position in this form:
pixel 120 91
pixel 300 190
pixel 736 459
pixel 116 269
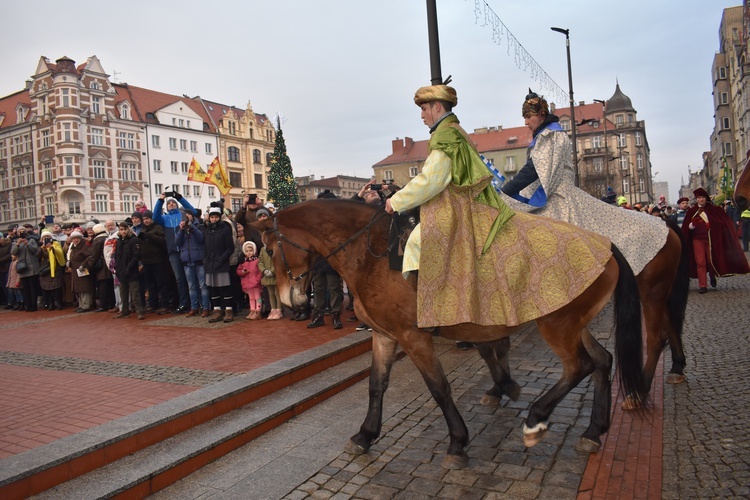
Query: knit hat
pixel 622 200
pixel 99 228
pixel 249 244
pixel 148 214
pixel 90 224
pixel 46 232
pixel 76 233
pixel 214 210
pixel 137 215
pixel 262 211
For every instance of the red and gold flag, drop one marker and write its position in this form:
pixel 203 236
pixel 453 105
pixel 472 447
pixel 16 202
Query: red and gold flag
pixel 218 177
pixel 196 172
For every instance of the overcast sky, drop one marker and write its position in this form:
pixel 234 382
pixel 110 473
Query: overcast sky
pixel 343 72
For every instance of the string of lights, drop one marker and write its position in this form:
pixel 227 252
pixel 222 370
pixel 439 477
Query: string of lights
pixel 486 17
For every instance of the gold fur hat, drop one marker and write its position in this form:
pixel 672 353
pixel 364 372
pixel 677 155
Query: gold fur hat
pixel 436 93
pixel 534 105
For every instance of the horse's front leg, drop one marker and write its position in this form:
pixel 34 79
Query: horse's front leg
pixel 383 355
pixel 418 346
pixel 495 354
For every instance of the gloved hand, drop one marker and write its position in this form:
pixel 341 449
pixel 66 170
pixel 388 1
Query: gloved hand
pixel 177 196
pixel 268 273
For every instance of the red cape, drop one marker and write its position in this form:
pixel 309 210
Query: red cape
pixel 727 257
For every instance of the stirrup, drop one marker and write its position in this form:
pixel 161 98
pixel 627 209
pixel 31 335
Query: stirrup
pixel 434 330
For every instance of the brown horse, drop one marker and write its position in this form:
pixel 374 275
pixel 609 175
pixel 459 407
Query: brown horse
pixel 352 236
pixel 742 189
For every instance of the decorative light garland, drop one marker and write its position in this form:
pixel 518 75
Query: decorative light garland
pixel 553 92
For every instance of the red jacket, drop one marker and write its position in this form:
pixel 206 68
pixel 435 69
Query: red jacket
pixel 249 274
pixel 726 256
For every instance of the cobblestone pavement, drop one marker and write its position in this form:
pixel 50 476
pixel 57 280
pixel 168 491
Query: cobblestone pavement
pixel 706 437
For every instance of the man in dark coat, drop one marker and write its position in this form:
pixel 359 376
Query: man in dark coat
pixel 154 258
pixel 127 258
pixel 712 243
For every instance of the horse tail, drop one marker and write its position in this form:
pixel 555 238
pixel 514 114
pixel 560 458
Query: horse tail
pixel 678 297
pixel 628 330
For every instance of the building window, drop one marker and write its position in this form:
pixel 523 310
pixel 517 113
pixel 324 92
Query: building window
pixel 97 137
pixel 256 155
pixel 413 171
pixel 21 209
pixel 194 146
pixel 638 141
pixel 69 167
pixel 208 148
pixel 641 184
pixel 100 203
pixel 235 179
pixel 157 165
pixel 74 207
pixel 232 128
pixel 128 203
pixel 722 73
pixel 724 98
pixel 65 98
pixel 158 189
pixel 126 140
pixel 183 144
pixel 622 141
pixel 128 171
pixel 236 204
pixel 259 181
pixel 125 112
pixel 197 191
pixel 185 167
pixel 29 176
pixel 172 143
pixel 186 189
pixel 66 135
pixel 388 174
pixel 510 163
pixel 619 120
pixel 565 124
pixel 596 141
pixel 726 148
pixel 626 185
pixel 598 165
pixel 49 205
pixel 624 162
pixel 725 123
pixel 234 153
pixel 155 141
pixel 639 160
pixel 173 166
pixel 181 123
pixel 5 212
pixel 96 105
pixel 211 192
pixel 99 169
pixel 269 135
pixel 46 142
pixel 48 172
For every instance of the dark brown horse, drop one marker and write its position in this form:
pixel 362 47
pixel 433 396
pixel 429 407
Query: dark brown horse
pixel 353 237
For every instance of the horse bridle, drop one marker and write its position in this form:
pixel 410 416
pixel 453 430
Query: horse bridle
pixel 280 237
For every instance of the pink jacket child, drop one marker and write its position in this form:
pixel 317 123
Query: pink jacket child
pixel 250 278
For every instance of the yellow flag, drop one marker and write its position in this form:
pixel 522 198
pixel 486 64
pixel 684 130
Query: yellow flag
pixel 196 172
pixel 218 177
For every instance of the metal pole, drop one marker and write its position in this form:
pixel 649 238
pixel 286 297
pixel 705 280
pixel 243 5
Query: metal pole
pixel 566 32
pixel 606 144
pixel 432 30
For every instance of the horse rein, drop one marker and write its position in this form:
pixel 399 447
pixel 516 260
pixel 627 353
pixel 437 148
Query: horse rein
pixel 280 237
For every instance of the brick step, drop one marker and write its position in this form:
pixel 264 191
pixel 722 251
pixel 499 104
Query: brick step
pixel 143 452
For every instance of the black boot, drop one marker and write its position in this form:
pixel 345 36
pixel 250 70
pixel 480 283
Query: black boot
pixel 316 321
pixel 336 320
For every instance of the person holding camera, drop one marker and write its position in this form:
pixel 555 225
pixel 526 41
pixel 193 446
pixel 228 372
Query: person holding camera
pixel 51 270
pixel 189 239
pixel 246 215
pixel 170 221
pixel 27 266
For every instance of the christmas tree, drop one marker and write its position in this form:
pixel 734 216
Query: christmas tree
pixel 282 189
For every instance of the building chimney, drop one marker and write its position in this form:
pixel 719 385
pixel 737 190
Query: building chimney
pixel 552 107
pixel 397 145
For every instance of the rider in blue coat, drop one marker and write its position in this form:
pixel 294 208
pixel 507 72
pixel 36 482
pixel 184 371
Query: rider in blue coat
pixel 171 223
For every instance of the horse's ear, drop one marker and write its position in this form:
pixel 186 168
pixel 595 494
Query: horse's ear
pixel 262 225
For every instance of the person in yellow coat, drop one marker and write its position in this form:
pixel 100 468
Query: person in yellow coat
pixel 51 270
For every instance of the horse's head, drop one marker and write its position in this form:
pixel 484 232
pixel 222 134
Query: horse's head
pixel 291 260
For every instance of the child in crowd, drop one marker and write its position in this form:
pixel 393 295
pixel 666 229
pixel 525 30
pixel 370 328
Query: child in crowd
pixel 14 286
pixel 250 278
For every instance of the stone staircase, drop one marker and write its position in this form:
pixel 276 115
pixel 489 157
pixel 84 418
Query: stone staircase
pixel 139 454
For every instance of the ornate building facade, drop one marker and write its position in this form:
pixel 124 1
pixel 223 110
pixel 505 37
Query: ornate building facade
pixel 77 146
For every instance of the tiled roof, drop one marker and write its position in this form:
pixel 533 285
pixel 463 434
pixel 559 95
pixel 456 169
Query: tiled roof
pixel 8 108
pixel 151 101
pixel 327 182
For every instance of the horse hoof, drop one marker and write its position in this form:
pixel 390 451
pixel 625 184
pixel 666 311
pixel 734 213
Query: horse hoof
pixel 586 445
pixel 532 436
pixel 488 400
pixel 675 378
pixel 354 448
pixel 455 462
pixel 515 392
pixel 629 403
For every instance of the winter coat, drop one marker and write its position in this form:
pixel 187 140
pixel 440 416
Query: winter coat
pixel 171 220
pixel 217 239
pixel 153 244
pixel 78 255
pixel 249 275
pixel 54 260
pixel 127 257
pixel 97 254
pixel 266 263
pixel 5 258
pixel 191 244
pixel 26 252
pixel 246 216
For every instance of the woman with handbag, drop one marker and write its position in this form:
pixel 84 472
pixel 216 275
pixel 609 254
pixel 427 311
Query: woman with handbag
pixel 51 271
pixel 27 267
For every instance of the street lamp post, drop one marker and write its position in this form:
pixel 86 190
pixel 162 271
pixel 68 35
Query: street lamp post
pixel 566 32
